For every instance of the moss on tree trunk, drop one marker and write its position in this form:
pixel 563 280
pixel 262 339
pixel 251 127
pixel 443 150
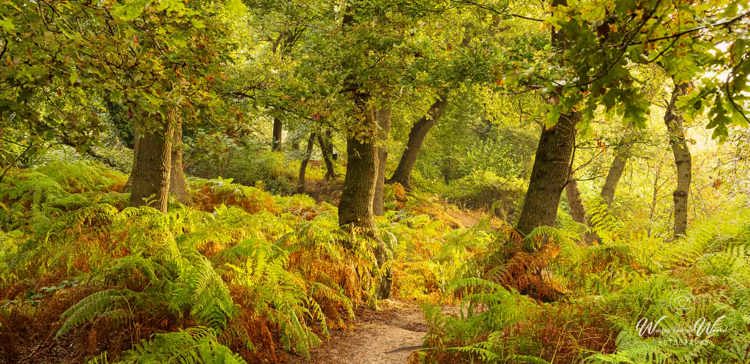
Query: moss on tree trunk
pixel 355 206
pixel 549 175
pixel 150 177
pixel 178 183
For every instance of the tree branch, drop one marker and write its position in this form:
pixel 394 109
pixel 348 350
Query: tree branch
pixel 693 30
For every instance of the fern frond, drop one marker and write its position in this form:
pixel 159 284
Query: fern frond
pixel 95 305
pixel 194 345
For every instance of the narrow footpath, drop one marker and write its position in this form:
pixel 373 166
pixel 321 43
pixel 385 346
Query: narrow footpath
pixel 386 336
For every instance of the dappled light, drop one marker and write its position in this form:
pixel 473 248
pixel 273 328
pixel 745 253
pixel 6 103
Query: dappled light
pixel 374 181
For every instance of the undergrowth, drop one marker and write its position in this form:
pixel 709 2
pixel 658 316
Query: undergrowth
pixel 240 275
pixel 626 298
pixel 243 275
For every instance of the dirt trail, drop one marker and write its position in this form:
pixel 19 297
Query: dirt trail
pixel 386 336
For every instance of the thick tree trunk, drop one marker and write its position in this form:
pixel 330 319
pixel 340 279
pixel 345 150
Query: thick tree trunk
pixel 134 166
pixel 417 135
pixel 276 141
pixel 682 159
pixel 178 183
pixel 552 162
pixel 577 211
pixel 326 149
pixel 355 206
pixel 549 175
pixel 383 118
pixel 303 164
pixel 614 174
pixel 152 168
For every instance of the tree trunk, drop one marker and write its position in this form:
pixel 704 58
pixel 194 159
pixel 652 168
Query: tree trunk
pixel 303 164
pixel 577 211
pixel 355 206
pixel 152 168
pixel 417 135
pixel 654 199
pixel 549 175
pixel 552 163
pixel 614 174
pixel 383 118
pixel 276 141
pixel 129 182
pixel 326 149
pixel 682 159
pixel 178 183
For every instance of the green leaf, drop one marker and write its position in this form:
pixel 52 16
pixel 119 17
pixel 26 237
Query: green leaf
pixel 130 9
pixel 7 25
pixel 553 115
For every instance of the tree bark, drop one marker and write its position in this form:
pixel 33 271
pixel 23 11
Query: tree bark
pixel 134 166
pixel 303 164
pixel 553 159
pixel 383 119
pixel 276 141
pixel 178 183
pixel 655 187
pixel 577 211
pixel 150 177
pixel 682 159
pixel 614 174
pixel 326 149
pixel 355 206
pixel 549 175
pixel 417 135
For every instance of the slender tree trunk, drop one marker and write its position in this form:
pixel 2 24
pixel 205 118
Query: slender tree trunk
pixel 303 164
pixel 178 183
pixel 682 159
pixel 577 211
pixel 152 168
pixel 417 135
pixel 383 118
pixel 326 149
pixel 614 174
pixel 276 141
pixel 549 175
pixel 654 199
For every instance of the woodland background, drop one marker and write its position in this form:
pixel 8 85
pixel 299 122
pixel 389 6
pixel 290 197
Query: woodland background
pixel 230 181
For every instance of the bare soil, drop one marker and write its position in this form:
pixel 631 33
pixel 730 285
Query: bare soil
pixel 389 336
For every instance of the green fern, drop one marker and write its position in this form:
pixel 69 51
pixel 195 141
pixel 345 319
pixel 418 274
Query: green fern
pixel 111 303
pixel 194 345
pixel 203 293
pixel 279 295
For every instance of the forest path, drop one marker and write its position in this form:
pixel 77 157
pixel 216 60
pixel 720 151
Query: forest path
pixel 386 336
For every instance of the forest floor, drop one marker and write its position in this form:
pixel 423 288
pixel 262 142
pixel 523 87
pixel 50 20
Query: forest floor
pixel 388 335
